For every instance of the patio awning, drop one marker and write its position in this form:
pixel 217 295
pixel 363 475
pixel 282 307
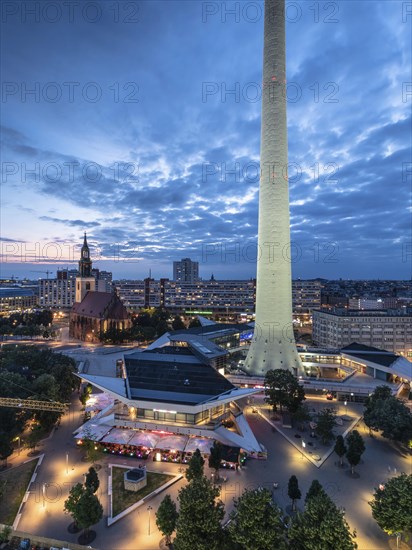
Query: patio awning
pixel 144 439
pixel 118 436
pixel 172 442
pixel 94 432
pixel 98 402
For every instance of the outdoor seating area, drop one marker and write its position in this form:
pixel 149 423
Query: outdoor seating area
pixel 161 447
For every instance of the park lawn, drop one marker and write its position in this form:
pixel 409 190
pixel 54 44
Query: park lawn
pixel 13 485
pixel 122 499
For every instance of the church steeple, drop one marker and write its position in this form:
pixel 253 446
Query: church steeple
pixel 85 263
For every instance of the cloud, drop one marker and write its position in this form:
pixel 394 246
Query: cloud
pixel 177 170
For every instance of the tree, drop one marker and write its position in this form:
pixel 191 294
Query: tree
pixel 301 415
pixel 194 323
pixel 321 526
pixel 161 328
pixel 70 504
pixel 166 518
pixel 92 480
pixel 215 457
pixel 293 491
pixel 89 511
pixel 283 389
pixel 340 448
pixel 35 435
pixel 5 533
pixel 6 447
pixel 326 421
pixel 257 522
pixel 315 489
pixel 195 468
pixel 355 449
pixel 385 413
pixel 177 323
pixel 200 515
pixel 392 505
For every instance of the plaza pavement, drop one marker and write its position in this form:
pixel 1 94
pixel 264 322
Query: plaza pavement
pixel 284 460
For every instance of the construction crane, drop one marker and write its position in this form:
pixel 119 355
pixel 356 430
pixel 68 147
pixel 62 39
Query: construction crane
pixel 47 273
pixel 53 406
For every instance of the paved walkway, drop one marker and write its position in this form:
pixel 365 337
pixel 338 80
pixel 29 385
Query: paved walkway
pixel 379 463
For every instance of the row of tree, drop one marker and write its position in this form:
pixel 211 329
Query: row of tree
pixel 353 449
pixel 383 411
pixel 256 523
pixel 147 325
pixel 83 504
pixel 32 324
pixel 28 372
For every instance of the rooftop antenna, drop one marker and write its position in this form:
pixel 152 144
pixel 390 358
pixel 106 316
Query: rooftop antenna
pixel 150 273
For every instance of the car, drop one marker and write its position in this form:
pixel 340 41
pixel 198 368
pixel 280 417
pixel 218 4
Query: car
pixel 329 396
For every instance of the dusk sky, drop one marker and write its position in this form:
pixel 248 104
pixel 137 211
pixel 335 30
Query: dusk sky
pixel 119 120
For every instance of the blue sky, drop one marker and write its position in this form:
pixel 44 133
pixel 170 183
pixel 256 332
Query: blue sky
pixel 139 122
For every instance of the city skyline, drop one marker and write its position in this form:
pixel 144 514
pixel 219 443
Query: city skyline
pixel 153 188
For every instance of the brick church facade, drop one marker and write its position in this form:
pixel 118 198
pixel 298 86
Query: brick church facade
pixel 94 312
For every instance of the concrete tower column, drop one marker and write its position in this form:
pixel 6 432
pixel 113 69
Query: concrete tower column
pixel 273 345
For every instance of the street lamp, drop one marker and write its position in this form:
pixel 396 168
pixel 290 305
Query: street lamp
pixel 44 494
pixel 346 408
pixel 67 462
pixel 303 446
pixel 149 509
pixel 18 439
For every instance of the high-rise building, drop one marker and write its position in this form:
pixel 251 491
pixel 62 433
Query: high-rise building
pixel 273 345
pixel 186 271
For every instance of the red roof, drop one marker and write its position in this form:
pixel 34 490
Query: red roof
pixel 101 305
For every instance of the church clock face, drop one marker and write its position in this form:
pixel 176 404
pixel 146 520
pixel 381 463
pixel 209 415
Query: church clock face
pixel 85 255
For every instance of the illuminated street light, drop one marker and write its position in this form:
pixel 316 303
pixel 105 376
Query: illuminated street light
pixel 44 494
pixel 67 462
pixel 149 509
pixel 18 440
pixel 346 408
pixel 303 446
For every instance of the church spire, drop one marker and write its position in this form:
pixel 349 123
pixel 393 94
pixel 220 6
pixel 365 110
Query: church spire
pixel 85 263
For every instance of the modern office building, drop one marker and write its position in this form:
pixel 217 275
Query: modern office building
pixel 366 303
pixel 230 298
pixel 223 298
pixel 186 271
pixel 17 299
pixel 306 296
pixel 59 292
pixel 169 392
pixel 273 345
pixel 390 330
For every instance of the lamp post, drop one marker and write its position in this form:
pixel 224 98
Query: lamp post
pixel 346 408
pixel 67 462
pixel 303 446
pixel 44 494
pixel 149 509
